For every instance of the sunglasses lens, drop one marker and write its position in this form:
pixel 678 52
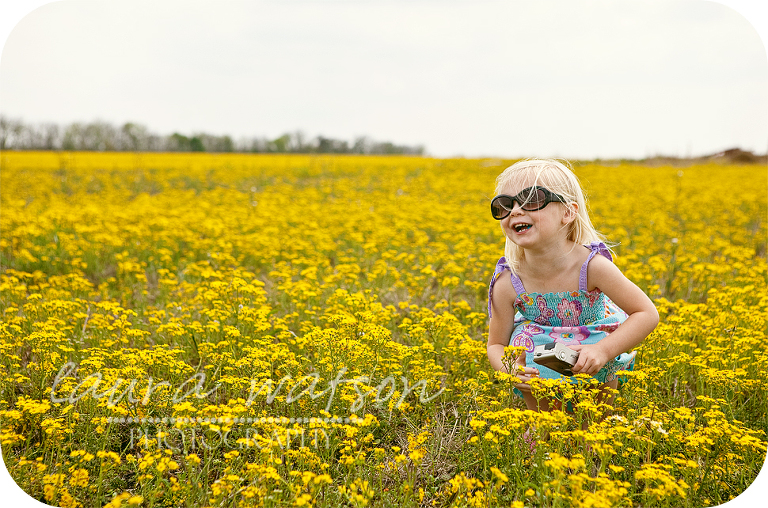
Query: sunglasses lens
pixel 535 200
pixel 500 207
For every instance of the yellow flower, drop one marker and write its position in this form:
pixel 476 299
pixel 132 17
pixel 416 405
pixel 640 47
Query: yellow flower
pixel 79 478
pixel 498 474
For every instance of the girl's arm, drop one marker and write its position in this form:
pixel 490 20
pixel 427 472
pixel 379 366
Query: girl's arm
pixel 502 325
pixel 643 316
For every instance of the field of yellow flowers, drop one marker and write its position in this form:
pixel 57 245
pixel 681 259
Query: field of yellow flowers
pixel 271 330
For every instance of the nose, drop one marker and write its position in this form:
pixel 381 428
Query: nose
pixel 516 208
pixel 514 213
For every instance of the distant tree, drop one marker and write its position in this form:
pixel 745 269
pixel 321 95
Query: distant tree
pixel 10 131
pixel 299 143
pixel 50 137
pixel 178 143
pixel 99 136
pixel 258 145
pixel 216 143
pixel 280 144
pixel 196 144
pixel 156 143
pixel 360 145
pixel 73 137
pixel 328 145
pixel 26 137
pixel 227 145
pixel 133 137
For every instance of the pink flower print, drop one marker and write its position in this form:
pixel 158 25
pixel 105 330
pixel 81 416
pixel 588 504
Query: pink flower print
pixel 569 335
pixel 593 296
pixel 525 337
pixel 545 313
pixel 609 327
pixel 524 341
pixel 569 312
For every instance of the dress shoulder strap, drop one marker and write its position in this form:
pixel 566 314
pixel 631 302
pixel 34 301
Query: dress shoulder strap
pixel 501 265
pixel 517 283
pixel 596 248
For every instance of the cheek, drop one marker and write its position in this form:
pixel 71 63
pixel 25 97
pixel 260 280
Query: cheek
pixel 571 228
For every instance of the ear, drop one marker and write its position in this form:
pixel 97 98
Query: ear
pixel 571 211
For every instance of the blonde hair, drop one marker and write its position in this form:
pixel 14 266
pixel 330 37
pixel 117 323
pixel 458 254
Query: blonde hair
pixel 558 178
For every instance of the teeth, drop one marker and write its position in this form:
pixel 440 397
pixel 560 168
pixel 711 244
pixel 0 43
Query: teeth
pixel 521 227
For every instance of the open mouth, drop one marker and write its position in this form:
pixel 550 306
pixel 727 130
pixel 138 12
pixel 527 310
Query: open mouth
pixel 519 228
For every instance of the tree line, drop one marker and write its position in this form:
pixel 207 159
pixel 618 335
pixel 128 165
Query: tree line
pixel 132 137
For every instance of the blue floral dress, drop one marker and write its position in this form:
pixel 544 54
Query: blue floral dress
pixel 569 317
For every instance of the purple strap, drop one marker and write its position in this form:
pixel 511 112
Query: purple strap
pixel 501 265
pixel 517 283
pixel 597 248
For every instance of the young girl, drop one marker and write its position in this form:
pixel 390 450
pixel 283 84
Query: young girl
pixel 557 282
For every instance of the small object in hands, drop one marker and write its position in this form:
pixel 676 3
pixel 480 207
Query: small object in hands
pixel 557 357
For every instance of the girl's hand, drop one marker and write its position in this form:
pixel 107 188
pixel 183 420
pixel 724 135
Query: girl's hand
pixel 525 375
pixel 591 358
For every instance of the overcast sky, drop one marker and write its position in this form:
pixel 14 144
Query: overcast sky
pixel 571 78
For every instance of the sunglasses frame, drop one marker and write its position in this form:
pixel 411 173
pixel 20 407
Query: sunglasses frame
pixel 549 197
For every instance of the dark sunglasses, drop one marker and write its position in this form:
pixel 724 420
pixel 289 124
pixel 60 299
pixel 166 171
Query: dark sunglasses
pixel 530 200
